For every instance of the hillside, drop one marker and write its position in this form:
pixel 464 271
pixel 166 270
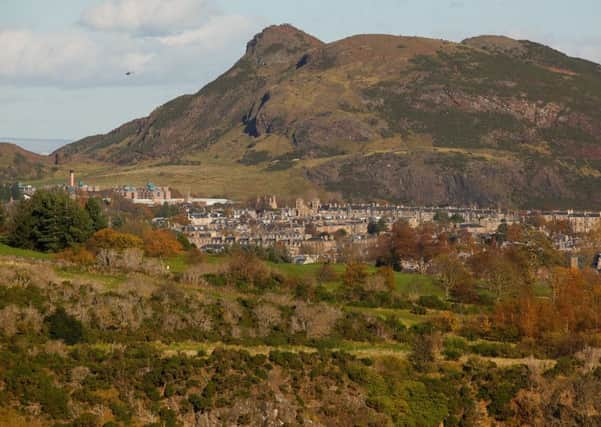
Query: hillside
pixel 17 163
pixel 251 343
pixel 491 120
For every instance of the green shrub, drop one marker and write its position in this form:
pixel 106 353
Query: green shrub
pixel 432 301
pixel 419 310
pixel 454 347
pixel 499 387
pixel 565 366
pixel 121 411
pixel 29 383
pixel 86 420
pixel 491 349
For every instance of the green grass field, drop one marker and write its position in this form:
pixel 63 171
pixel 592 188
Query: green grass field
pixel 408 284
pixel 23 253
pixel 411 284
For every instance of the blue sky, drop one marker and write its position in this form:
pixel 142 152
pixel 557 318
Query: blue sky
pixel 63 63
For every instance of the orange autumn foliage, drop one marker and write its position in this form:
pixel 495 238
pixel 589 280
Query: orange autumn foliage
pixel 161 243
pixel 573 308
pixel 107 238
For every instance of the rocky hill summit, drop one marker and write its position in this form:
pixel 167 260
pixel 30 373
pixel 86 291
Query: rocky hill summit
pixel 492 120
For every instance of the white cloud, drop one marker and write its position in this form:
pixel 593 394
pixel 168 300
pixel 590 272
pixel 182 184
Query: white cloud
pixel 186 42
pixel 148 17
pixel 216 32
pixel 80 59
pixel 30 56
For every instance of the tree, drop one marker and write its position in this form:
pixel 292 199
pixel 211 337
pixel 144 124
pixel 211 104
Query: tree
pixel 184 241
pixel 2 217
pixel 94 210
pixel 387 274
pixel 501 235
pixel 161 243
pixel 441 216
pixel 107 238
pixel 355 274
pixel 429 244
pixel 399 244
pixel 340 234
pixel 425 346
pixel 451 272
pixel 326 273
pixel 167 211
pixel 503 275
pixel 377 227
pixel 50 221
pixel 515 233
pixel 457 218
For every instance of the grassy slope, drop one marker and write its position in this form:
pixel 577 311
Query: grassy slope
pixel 22 253
pixel 408 285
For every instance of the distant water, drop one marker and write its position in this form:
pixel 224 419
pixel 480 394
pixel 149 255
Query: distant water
pixel 40 146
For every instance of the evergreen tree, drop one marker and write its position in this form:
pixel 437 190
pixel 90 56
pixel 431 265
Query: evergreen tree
pixel 377 227
pixel 94 210
pixel 50 221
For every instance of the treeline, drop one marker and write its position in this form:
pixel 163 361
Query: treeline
pixel 77 230
pixel 533 297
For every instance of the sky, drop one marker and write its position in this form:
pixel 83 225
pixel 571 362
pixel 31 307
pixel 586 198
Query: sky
pixel 63 63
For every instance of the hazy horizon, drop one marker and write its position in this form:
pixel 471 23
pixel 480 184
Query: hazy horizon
pixel 37 145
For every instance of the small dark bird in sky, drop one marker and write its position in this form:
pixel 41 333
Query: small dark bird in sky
pixel 129 73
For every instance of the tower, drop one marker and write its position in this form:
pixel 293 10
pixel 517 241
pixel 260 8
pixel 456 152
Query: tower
pixel 72 178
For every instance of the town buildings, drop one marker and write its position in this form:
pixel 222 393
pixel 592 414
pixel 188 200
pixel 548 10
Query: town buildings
pixel 151 193
pixel 313 231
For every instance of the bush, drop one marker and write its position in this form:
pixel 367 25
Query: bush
pixel 29 383
pixel 326 273
pixel 432 301
pixel 161 243
pixel 86 420
pixel 454 348
pixel 108 238
pixel 77 255
pixel 565 366
pixel 491 349
pixel 62 326
pixel 419 310
pixel 121 411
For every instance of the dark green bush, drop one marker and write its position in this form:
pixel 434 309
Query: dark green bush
pixel 432 301
pixel 29 383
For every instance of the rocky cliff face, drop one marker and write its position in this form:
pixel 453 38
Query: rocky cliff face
pixel 491 120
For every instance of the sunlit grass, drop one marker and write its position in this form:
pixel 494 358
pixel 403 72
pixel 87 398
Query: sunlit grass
pixel 406 316
pixel 23 253
pixel 109 281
